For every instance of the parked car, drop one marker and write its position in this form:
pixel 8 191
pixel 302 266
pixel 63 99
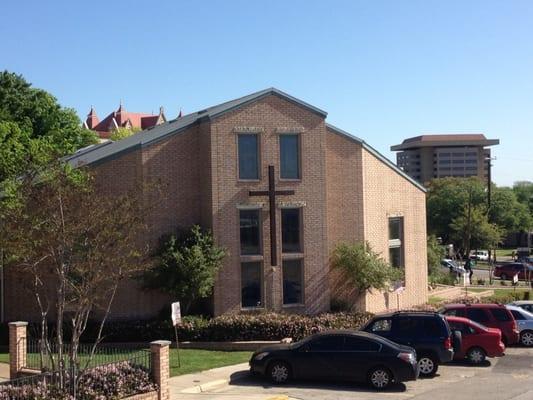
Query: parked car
pixel 525 304
pixel 491 315
pixel 524 320
pixel 509 270
pixel 427 332
pixel 479 255
pixel 477 341
pixel 453 266
pixel 340 355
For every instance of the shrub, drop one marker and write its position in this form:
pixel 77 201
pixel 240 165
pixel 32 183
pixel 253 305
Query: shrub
pixel 481 282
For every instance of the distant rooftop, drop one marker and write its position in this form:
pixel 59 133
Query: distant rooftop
pixel 448 140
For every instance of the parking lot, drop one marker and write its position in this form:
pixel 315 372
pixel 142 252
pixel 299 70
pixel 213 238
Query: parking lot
pixel 509 377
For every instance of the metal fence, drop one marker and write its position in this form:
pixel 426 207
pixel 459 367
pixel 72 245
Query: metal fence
pixel 118 379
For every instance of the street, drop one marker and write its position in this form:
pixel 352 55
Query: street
pixel 506 378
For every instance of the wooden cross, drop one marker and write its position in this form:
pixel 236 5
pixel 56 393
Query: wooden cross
pixel 272 193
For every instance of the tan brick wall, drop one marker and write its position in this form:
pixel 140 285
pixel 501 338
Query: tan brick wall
pixel 161 367
pixel 386 194
pixel 17 348
pixel 270 114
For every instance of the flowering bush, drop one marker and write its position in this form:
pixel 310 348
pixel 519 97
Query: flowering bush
pixel 112 381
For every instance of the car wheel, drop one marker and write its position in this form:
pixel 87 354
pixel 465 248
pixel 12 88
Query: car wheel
pixel 279 372
pixel 503 277
pixel 380 378
pixel 476 355
pixel 526 338
pixel 427 364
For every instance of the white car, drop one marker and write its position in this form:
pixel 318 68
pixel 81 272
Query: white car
pixel 480 255
pixel 525 304
pixel 453 266
pixel 524 320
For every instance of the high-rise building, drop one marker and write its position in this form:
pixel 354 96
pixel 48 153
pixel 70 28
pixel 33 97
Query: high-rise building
pixel 437 156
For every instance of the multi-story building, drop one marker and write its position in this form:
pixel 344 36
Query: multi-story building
pixel 437 156
pixel 279 188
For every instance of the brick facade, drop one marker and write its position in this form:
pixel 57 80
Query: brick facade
pixel 345 193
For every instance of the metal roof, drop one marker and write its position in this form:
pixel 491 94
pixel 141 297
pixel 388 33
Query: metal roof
pixel 445 140
pixel 99 153
pixel 376 154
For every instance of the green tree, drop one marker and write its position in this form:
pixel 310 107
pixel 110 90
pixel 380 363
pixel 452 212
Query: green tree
pixel 32 123
pixel 122 133
pixel 359 270
pixel 186 266
pixel 524 194
pixel 436 253
pixel 508 213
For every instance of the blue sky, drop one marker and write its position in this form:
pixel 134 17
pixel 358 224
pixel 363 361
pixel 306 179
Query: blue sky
pixel 384 70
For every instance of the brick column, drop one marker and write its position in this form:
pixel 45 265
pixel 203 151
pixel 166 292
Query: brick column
pixel 161 367
pixel 17 347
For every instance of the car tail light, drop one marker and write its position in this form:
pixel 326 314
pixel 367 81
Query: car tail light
pixel 448 343
pixel 407 357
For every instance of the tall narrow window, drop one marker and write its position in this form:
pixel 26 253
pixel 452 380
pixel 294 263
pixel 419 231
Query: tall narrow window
pixel 290 230
pixel 396 242
pixel 250 232
pixel 292 282
pixel 251 284
pixel 248 156
pixel 289 151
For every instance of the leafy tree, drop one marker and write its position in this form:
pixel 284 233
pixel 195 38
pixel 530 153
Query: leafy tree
pixel 72 247
pixel 508 213
pixel 122 133
pixel 186 266
pixel 360 270
pixel 524 194
pixel 32 123
pixel 435 252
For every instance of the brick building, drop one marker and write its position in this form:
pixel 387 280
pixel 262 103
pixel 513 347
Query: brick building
pixel 219 167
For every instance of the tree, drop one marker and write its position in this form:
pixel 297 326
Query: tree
pixel 436 253
pixel 186 266
pixel 360 270
pixel 508 213
pixel 524 194
pixel 122 133
pixel 33 122
pixel 73 247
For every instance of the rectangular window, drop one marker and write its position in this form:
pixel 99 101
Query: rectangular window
pixel 248 144
pixel 250 232
pixel 290 230
pixel 396 242
pixel 251 285
pixel 292 282
pixel 289 152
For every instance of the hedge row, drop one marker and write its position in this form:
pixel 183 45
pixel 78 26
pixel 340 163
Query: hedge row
pixel 241 327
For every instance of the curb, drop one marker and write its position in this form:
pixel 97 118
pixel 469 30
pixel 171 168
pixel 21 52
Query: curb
pixel 204 387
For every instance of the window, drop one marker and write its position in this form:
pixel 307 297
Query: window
pixel 396 242
pixel 517 315
pixel 382 325
pixel 476 314
pixel 454 312
pixel 250 232
pixel 356 344
pixel 292 282
pixel 327 343
pixel 409 327
pixel 248 156
pixel 251 284
pixel 289 152
pixel 501 314
pixel 290 230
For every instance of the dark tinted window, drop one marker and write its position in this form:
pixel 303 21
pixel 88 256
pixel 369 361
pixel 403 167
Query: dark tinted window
pixel 501 314
pixel 357 344
pixel 517 315
pixel 292 281
pixel 290 230
pixel 454 312
pixel 433 327
pixel 289 156
pixel 251 282
pixel 327 343
pixel 248 156
pixel 477 314
pixel 250 232
pixel 381 325
pixel 409 326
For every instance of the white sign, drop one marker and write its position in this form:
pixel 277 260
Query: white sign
pixel 176 313
pixel 515 279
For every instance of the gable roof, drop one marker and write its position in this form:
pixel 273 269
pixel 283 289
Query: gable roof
pixel 161 131
pixel 376 154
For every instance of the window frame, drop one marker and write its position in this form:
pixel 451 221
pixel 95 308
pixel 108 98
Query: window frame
pixel 300 230
pixel 259 160
pixel 260 229
pixel 261 285
pixel 299 160
pixel 302 282
pixel 397 242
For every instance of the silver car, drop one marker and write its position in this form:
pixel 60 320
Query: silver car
pixel 524 320
pixel 525 304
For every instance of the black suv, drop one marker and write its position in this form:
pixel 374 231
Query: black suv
pixel 427 332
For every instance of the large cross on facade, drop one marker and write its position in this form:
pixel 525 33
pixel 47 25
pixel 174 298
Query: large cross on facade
pixel 272 193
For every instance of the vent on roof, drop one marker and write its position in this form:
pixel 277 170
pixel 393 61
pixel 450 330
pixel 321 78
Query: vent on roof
pixel 202 111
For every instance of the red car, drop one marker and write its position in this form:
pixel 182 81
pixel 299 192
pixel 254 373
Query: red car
pixel 507 271
pixel 491 315
pixel 478 341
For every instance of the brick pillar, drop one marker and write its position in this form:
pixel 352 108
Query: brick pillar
pixel 161 367
pixel 17 347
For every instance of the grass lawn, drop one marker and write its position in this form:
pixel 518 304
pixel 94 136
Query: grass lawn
pixel 434 300
pixel 198 360
pixel 191 360
pixel 504 252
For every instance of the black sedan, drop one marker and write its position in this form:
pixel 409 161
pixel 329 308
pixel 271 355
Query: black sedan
pixel 340 355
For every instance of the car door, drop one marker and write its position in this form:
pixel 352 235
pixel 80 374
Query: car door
pixel 467 338
pixel 359 355
pixel 320 358
pixel 409 331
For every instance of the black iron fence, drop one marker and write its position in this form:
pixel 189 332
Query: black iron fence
pixel 116 379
